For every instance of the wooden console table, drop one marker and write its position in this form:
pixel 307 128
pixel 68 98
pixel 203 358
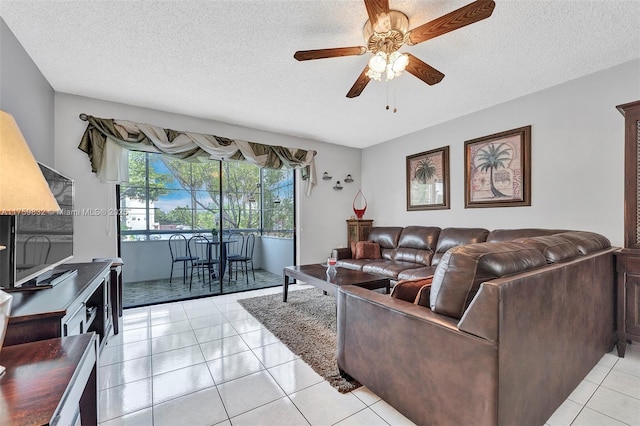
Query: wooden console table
pixel 50 382
pixel 79 304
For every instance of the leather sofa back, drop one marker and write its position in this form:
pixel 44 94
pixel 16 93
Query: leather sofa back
pixel 462 269
pixel 387 237
pixel 417 244
pixel 452 237
pixel 498 235
pixel 554 248
pixel 586 242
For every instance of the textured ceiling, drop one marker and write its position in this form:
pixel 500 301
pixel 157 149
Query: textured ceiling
pixel 232 61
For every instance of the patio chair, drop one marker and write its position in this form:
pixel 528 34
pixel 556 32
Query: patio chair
pixel 35 251
pixel 179 249
pixel 202 258
pixel 245 258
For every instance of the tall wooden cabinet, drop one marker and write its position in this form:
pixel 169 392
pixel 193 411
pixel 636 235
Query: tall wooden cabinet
pixel 628 259
pixel 358 230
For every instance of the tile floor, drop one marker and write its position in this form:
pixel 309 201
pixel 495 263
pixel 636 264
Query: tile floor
pixel 144 293
pixel 208 362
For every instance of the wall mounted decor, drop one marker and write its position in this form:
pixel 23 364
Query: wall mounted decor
pixel 325 176
pixel 337 186
pixel 428 180
pixel 498 169
pixel 348 179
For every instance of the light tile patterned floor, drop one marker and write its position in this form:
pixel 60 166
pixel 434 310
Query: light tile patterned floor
pixel 208 362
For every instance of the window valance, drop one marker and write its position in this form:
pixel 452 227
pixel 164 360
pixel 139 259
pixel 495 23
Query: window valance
pixel 107 140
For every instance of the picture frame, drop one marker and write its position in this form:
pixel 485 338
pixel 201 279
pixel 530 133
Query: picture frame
pixel 428 180
pixel 498 169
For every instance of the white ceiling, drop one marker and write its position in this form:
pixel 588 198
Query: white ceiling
pixel 232 61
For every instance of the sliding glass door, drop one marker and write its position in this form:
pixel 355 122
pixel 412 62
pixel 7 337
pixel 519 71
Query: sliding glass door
pixel 239 209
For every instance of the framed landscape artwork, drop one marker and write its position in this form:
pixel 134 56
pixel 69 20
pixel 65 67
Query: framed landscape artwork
pixel 428 180
pixel 498 169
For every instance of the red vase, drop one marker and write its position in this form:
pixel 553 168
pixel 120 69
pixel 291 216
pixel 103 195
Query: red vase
pixel 359 205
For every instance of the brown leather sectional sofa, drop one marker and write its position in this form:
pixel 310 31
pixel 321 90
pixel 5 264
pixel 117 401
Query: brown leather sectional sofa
pixel 414 251
pixel 504 333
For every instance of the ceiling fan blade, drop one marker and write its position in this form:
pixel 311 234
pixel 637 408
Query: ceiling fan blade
pixel 378 11
pixel 423 71
pixel 360 84
pixel 305 55
pixel 473 12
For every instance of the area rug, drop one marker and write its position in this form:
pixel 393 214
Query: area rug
pixel 306 324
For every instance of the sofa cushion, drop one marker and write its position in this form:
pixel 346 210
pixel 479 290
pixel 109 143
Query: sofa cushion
pixel 407 290
pixel 367 250
pixel 498 235
pixel 416 273
pixel 386 236
pixel 462 269
pixel 453 237
pixel 356 264
pixel 554 248
pixel 388 268
pixel 587 242
pixel 417 244
pixel 419 237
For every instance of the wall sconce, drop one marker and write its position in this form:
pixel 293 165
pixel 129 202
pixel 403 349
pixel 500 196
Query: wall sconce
pixel 325 176
pixel 337 187
pixel 348 179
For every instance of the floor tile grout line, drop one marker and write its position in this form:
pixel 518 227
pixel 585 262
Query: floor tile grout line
pixel 599 385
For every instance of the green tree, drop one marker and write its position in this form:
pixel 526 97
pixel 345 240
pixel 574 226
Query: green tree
pixel 492 158
pixel 241 192
pixel 136 186
pixel 240 185
pixel 425 171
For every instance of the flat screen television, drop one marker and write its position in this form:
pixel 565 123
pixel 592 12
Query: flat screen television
pixel 36 243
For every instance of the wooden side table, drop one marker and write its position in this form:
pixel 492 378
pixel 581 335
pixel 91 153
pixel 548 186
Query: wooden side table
pixel 358 230
pixel 51 381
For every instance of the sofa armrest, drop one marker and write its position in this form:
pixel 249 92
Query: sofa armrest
pixel 405 353
pixel 341 253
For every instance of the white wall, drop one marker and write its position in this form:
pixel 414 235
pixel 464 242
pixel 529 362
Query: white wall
pixel 320 217
pixel 27 95
pixel 275 253
pixel 577 159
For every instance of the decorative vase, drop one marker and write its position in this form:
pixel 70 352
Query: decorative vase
pixel 359 205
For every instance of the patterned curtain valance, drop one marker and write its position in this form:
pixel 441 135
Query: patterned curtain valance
pixel 106 142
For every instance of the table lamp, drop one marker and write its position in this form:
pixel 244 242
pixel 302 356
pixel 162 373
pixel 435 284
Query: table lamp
pixel 23 190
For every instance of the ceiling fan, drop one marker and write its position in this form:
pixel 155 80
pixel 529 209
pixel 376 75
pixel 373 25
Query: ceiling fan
pixel 386 31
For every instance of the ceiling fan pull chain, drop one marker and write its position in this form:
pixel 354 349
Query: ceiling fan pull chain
pixel 387 88
pixel 394 100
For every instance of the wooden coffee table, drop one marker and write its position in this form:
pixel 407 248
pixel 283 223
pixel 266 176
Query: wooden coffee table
pixel 316 275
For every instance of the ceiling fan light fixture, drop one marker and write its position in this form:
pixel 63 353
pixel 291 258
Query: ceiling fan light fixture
pixel 378 62
pixel 391 65
pixel 398 62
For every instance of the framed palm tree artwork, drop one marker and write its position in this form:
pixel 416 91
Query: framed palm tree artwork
pixel 498 169
pixel 428 180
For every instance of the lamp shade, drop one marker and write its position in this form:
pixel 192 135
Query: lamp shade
pixel 23 189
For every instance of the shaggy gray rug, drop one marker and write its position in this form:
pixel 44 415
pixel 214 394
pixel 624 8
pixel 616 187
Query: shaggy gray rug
pixel 306 323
